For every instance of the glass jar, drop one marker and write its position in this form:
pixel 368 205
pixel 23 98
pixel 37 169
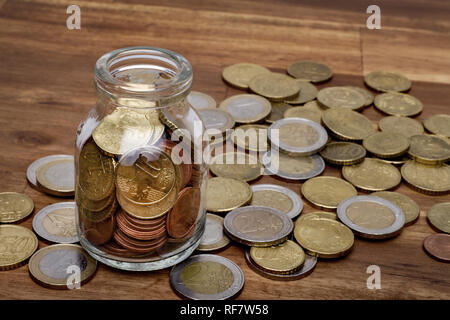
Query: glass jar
pixel 140 174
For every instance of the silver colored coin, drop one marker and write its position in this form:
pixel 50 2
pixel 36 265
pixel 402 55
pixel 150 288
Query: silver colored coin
pixel 35 165
pixel 297 203
pixel 200 100
pixel 306 269
pixel 215 119
pixel 213 237
pixel 293 168
pixel 258 226
pixel 207 277
pixel 297 136
pixel 361 228
pixel 57 223
pixel 247 108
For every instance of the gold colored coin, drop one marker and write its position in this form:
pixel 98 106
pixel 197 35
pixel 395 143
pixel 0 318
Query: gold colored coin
pixel 366 93
pixel 274 86
pixel 272 199
pixel 226 194
pixel 372 175
pixel 236 165
pixel 307 93
pixel 401 125
pixel 278 110
pixel 283 258
pixel 292 167
pixel 239 75
pixel 251 137
pixel 397 161
pixel 438 124
pixel 123 130
pixel 343 153
pixel 428 149
pixel 426 178
pixel 439 216
pixel 409 207
pixel 325 238
pixel 341 97
pixel 327 192
pixel 386 144
pixel 317 215
pixel 387 81
pixel 17 244
pixel 370 215
pixel 14 206
pixel 398 104
pixel 310 71
pixel 310 111
pixel 346 124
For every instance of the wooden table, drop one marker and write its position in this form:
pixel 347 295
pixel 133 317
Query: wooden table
pixel 47 88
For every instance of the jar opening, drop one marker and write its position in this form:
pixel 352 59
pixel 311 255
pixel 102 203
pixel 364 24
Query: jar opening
pixel 152 74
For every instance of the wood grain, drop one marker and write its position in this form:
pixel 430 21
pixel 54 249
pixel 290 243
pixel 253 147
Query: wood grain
pixel 47 88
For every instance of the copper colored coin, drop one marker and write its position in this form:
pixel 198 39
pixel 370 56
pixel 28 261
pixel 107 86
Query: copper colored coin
pixel 100 232
pixel 141 222
pixel 112 247
pixel 140 235
pixel 138 246
pixel 183 215
pixel 438 245
pixel 186 174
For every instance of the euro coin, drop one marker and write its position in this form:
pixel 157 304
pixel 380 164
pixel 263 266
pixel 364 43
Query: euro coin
pixel 200 100
pixel 239 75
pixel 34 166
pixel 439 216
pixel 346 124
pixel 57 177
pixel 236 165
pixel 192 278
pixel 309 71
pixel 438 124
pixel 277 197
pixel 437 245
pixel 429 149
pixel 386 144
pixel 226 194
pixel 15 206
pixel 183 216
pixel 428 179
pixel 17 245
pixel 343 153
pixel 387 81
pixel 398 104
pixel 371 217
pixel 366 93
pixel 213 237
pixel 251 137
pixel 278 110
pixel 307 93
pixel 317 215
pixel 409 207
pixel 400 125
pixel 327 192
pixel 274 86
pixel 246 108
pixel 216 120
pixel 341 97
pixel 310 111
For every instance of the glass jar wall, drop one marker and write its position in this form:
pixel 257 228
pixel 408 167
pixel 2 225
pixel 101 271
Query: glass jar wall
pixel 140 175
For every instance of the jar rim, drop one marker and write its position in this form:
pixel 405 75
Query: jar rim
pixel 176 70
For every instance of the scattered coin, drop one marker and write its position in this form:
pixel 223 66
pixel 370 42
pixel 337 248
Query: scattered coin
pixel 386 144
pixel 246 108
pixel 307 93
pixel 49 266
pixel 438 124
pixel 278 110
pixel 200 100
pixel 216 121
pixel 310 71
pixel 341 97
pixel 387 81
pixel 251 137
pixel 293 168
pixel 207 277
pixel 277 197
pixel 274 86
pixel 372 175
pixel 409 207
pixel 401 125
pixel 366 93
pixel 346 124
pixel 57 177
pixel 284 258
pixel 398 160
pixel 236 165
pixel 310 111
pixel 427 179
pixel 371 217
pixel 17 245
pixel 258 226
pixel 15 206
pixel 239 75
pixel 35 165
pixel 213 238
pixel 297 136
pixel 226 194
pixel 439 216
pixel 317 215
pixel 428 149
pixel 57 223
pixel 343 153
pixel 303 271
pixel 438 246
pixel 324 238
pixel 327 192
pixel 398 104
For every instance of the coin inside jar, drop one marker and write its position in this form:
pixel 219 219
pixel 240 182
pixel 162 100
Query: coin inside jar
pixel 183 216
pixel 409 207
pixel 277 197
pixel 200 100
pixel 371 217
pixel 438 124
pixel 236 165
pixel 239 75
pixel 258 226
pixel 439 216
pixel 438 246
pixel 429 149
pixel 400 125
pixel 246 108
pixel 213 237
pixel 297 136
pixel 427 179
pixel 343 153
pixel 387 81
pixel 398 104
pixel 341 97
pixel 226 194
pixel 309 71
pixel 346 124
pixel 274 86
pixel 17 245
pixel 327 192
pixel 15 206
pixel 57 177
pixel 386 144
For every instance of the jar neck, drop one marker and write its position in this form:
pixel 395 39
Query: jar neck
pixel 157 76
